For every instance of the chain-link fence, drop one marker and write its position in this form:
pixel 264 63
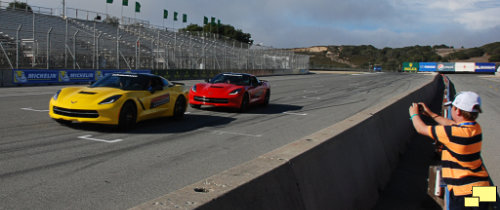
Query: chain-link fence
pixel 41 39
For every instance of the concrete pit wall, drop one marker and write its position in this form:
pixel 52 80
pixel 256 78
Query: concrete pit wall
pixel 344 166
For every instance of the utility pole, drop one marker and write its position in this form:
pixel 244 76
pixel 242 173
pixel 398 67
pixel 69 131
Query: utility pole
pixel 64 8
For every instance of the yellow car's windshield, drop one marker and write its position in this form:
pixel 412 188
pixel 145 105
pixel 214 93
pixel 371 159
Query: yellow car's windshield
pixel 124 82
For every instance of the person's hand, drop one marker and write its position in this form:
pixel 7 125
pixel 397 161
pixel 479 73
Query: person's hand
pixel 425 109
pixel 413 109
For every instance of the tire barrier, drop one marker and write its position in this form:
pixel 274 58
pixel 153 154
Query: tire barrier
pixel 344 166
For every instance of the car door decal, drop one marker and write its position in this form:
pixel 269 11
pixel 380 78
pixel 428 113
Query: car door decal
pixel 160 100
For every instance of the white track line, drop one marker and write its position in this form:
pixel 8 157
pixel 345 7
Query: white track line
pixel 299 114
pixel 89 137
pixel 34 110
pixel 219 132
pixel 234 133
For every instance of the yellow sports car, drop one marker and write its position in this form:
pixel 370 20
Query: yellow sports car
pixel 121 99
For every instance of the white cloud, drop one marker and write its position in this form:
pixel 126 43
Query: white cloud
pixel 453 5
pixel 480 20
pixel 297 23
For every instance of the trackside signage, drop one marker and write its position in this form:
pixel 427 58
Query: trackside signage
pixel 427 66
pixel 34 76
pixel 465 67
pixel 445 67
pixel 485 67
pixel 410 66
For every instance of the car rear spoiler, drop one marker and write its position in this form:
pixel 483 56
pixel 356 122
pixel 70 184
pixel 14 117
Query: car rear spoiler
pixel 178 83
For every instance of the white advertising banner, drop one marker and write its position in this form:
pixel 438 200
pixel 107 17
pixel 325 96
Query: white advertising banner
pixel 465 67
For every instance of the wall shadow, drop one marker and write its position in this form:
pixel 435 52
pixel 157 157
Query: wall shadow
pixel 257 109
pixel 161 125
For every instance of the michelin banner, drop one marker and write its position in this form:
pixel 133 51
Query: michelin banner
pixel 33 76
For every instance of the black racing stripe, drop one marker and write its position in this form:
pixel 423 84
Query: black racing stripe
pixel 454 165
pixel 465 180
pixel 467 141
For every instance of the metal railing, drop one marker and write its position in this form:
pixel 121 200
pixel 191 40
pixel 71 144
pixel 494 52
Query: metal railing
pixel 42 39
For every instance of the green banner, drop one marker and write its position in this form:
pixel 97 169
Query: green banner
pixel 125 2
pixel 109 1
pixel 212 21
pixel 137 7
pixel 411 66
pixel 165 14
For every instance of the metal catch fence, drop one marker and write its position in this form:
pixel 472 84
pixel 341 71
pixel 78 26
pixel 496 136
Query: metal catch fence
pixel 41 39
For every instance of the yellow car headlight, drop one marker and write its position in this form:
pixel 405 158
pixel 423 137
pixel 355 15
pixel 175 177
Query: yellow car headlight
pixel 111 99
pixel 56 95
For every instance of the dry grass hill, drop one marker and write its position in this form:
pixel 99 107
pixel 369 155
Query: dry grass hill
pixel 365 56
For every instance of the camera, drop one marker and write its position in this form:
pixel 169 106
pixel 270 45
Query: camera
pixel 420 108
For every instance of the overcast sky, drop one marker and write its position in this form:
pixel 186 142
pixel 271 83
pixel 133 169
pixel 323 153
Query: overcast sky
pixel 301 23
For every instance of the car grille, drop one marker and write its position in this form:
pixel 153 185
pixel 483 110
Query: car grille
pixel 76 112
pixel 212 100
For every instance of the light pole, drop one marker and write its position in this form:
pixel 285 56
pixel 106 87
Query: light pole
pixel 64 8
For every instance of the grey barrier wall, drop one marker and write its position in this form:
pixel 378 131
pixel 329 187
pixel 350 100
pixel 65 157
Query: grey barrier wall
pixel 344 166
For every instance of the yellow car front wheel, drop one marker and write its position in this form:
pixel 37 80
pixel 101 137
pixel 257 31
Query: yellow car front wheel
pixel 128 116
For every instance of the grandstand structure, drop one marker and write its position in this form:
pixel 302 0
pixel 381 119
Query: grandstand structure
pixel 41 39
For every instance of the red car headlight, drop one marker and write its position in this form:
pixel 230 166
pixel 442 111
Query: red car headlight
pixel 235 92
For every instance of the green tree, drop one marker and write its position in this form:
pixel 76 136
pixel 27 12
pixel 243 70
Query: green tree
pixel 494 58
pixel 19 6
pixel 223 30
pixel 112 20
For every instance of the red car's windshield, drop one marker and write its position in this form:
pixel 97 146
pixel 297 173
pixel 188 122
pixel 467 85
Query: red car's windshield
pixel 236 79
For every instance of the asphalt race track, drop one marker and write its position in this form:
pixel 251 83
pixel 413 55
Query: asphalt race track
pixel 44 165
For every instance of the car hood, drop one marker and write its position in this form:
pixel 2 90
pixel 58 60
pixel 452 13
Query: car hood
pixel 218 88
pixel 82 96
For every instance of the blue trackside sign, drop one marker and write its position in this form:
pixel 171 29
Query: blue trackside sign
pixel 36 76
pixel 427 66
pixel 485 67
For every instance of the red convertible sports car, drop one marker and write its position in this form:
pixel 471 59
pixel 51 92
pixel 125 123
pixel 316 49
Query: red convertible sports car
pixel 235 90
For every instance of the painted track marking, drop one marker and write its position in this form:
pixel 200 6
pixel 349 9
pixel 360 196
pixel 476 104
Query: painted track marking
pixel 89 137
pixel 35 110
pixel 219 132
pixel 234 133
pixel 292 113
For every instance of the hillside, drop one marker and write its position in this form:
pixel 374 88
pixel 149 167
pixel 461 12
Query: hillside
pixel 361 57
